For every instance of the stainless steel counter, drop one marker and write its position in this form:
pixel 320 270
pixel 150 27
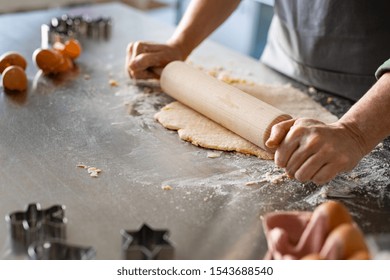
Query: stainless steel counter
pixel 79 118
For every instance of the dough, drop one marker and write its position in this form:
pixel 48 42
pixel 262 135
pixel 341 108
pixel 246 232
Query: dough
pixel 288 99
pixel 201 131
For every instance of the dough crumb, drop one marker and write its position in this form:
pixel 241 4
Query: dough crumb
pixel 87 77
pixel 255 183
pixel 312 90
pixel 214 154
pixel 92 171
pixel 230 80
pixel 167 188
pixel 113 83
pixel 275 179
pixel 213 73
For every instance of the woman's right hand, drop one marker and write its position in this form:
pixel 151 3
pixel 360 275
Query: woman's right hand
pixel 146 60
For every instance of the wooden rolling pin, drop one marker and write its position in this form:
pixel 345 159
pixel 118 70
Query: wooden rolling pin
pixel 232 108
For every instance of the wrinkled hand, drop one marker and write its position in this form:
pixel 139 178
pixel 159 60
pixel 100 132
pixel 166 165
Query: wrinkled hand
pixel 143 60
pixel 310 150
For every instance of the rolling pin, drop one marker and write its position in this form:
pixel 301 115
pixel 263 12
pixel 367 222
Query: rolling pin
pixel 226 105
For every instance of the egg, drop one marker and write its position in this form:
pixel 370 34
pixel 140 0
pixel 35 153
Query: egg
pixel 360 255
pixel 70 48
pixel 12 58
pixel 65 65
pixel 344 242
pixel 14 78
pixel 50 61
pixel 334 213
pixel 312 256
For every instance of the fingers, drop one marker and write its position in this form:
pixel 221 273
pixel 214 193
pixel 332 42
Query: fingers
pixel 305 161
pixel 306 150
pixel 141 67
pixel 309 169
pixel 278 132
pixel 295 167
pixel 317 169
pixel 289 145
pixel 327 173
pixel 135 48
pixel 140 58
pixel 317 161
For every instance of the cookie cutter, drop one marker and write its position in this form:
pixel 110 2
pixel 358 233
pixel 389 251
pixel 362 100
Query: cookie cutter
pixel 59 250
pixel 36 224
pixel 78 27
pixel 98 28
pixel 146 244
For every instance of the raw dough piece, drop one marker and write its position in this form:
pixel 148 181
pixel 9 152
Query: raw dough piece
pixel 201 131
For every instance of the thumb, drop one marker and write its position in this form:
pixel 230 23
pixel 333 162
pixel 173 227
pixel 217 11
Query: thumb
pixel 278 132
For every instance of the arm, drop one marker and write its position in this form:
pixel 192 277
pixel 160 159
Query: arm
pixel 370 117
pixel 310 150
pixel 200 20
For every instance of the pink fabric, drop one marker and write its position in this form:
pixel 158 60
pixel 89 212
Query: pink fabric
pixel 294 235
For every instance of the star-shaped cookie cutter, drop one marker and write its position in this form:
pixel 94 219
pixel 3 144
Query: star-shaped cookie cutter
pixel 36 224
pixel 146 244
pixel 59 250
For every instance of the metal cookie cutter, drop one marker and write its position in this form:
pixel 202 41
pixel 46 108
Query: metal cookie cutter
pixel 79 27
pixel 59 250
pixel 146 244
pixel 35 224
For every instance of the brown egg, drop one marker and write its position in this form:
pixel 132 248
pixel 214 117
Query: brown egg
pixel 335 214
pixel 66 65
pixel 14 78
pixel 360 255
pixel 12 58
pixel 49 61
pixel 71 48
pixel 344 242
pixel 313 256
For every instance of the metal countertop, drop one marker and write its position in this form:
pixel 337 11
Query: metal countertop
pixel 79 118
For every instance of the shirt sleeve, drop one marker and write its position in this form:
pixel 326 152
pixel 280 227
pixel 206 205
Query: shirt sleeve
pixel 385 67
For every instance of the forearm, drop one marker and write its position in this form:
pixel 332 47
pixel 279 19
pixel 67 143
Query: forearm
pixel 369 118
pixel 199 21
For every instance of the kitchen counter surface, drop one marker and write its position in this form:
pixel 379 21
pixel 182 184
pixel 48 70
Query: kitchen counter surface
pixel 79 118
